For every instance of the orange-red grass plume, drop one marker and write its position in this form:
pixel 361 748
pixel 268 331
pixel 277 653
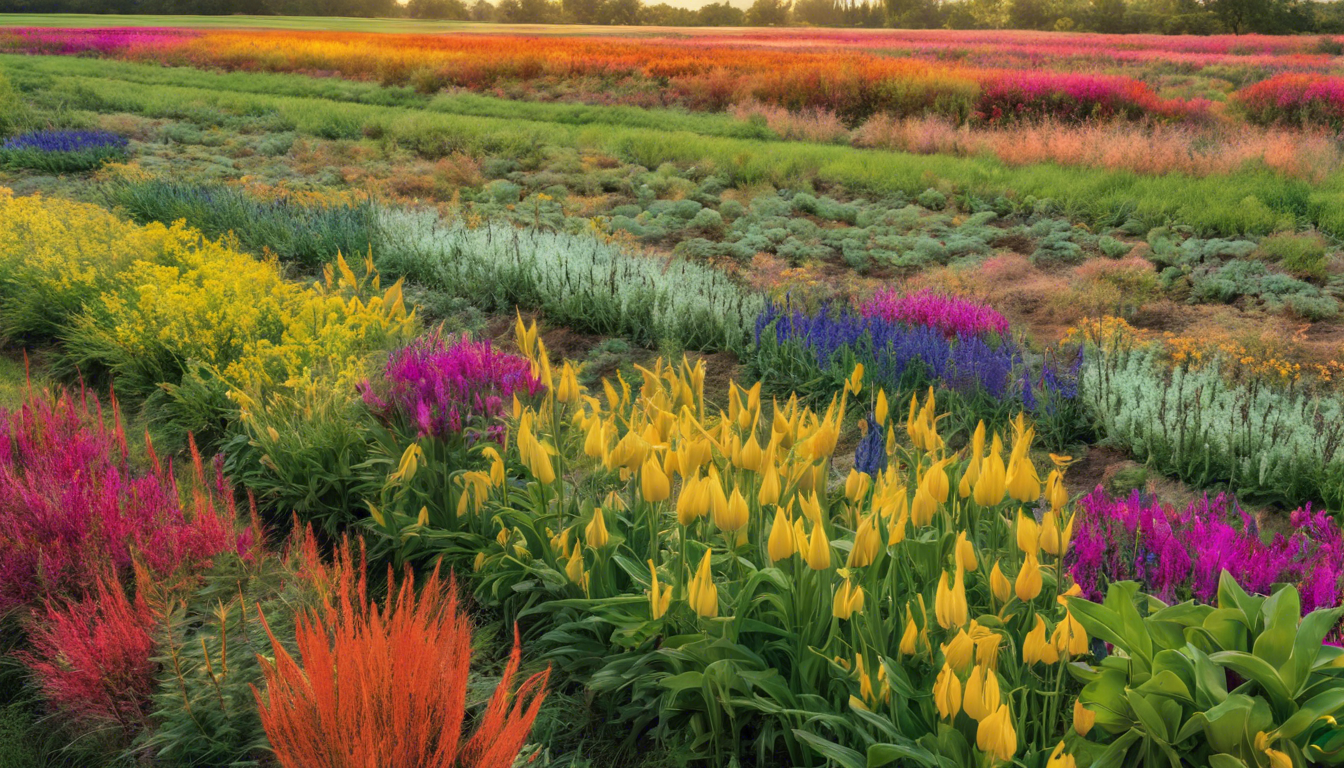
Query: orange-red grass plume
pixel 386 687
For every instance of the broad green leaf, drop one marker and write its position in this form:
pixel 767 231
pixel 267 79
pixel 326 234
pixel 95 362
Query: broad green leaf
pixel 1148 716
pixel 844 756
pixel 1256 669
pixel 885 754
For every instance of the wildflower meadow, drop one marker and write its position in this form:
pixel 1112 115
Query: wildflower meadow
pixel 420 394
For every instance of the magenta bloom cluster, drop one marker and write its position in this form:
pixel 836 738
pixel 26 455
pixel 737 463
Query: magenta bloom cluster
pixel 1180 554
pixel 950 315
pixel 445 388
pixel 1076 97
pixel 72 512
pixel 67 42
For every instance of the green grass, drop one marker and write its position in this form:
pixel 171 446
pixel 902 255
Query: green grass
pixel 307 23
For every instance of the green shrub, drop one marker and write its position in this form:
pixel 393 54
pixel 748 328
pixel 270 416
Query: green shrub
pixel 311 234
pixel 1303 255
pixel 932 199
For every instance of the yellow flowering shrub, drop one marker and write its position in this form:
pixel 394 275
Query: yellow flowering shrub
pixel 57 255
pixel 154 304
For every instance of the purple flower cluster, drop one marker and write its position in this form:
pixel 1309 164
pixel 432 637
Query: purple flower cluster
pixel 898 355
pixel 72 512
pixel 1178 555
pixel 444 388
pixel 67 141
pixel 951 315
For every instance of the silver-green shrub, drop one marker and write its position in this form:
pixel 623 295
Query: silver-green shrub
pixel 581 281
pixel 1263 442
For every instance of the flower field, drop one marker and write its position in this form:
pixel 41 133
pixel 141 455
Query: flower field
pixel 766 398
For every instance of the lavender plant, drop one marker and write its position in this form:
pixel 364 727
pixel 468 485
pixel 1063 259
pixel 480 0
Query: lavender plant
pixel 986 375
pixel 57 151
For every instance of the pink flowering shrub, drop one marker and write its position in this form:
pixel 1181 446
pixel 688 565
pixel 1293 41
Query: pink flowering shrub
pixel 93 658
pixel 446 389
pixel 72 510
pixel 1178 555
pixel 1295 99
pixel 950 315
pixel 1074 98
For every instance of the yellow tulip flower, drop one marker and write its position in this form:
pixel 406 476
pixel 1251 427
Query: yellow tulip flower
pixel 819 549
pixel 1083 718
pixel 910 635
pixel 1028 584
pixel 1055 492
pixel 1028 533
pixel 1058 759
pixel 947 693
pixel 857 485
pixel 659 597
pixel 781 544
pixel 848 600
pixel 568 390
pixel 992 485
pixel 959 651
pixel 999 585
pixel 735 514
pixel 1070 639
pixel 693 501
pixel 811 507
pixel 949 603
pixel 596 532
pixel 574 570
pixel 701 592
pixel 981 697
pixel 1035 648
pixel 996 735
pixel 770 489
pixel 855 383
pixel 867 542
pixel 653 483
pixel 923 507
pixel 880 409
pixel 965 553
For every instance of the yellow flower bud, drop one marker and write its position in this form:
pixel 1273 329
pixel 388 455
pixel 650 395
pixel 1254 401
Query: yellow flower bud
pixel 996 735
pixel 999 585
pixel 1035 648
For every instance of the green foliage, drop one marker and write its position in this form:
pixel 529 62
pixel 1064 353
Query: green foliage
pixel 1303 255
pixel 14 112
pixel 304 453
pixel 204 708
pixel 311 234
pixel 1199 685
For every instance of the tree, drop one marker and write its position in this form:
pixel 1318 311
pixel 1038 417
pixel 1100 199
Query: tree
pixel 622 12
pixel 581 11
pixel 721 15
pixel 769 13
pixel 819 13
pixel 482 10
pixel 437 9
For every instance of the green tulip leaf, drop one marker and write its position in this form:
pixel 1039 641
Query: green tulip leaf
pixel 1148 716
pixel 1255 669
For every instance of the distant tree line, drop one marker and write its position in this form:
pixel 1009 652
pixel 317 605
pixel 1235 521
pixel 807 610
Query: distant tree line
pixel 1154 16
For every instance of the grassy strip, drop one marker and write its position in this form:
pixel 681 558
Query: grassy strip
pixel 338 89
pixel 1246 202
